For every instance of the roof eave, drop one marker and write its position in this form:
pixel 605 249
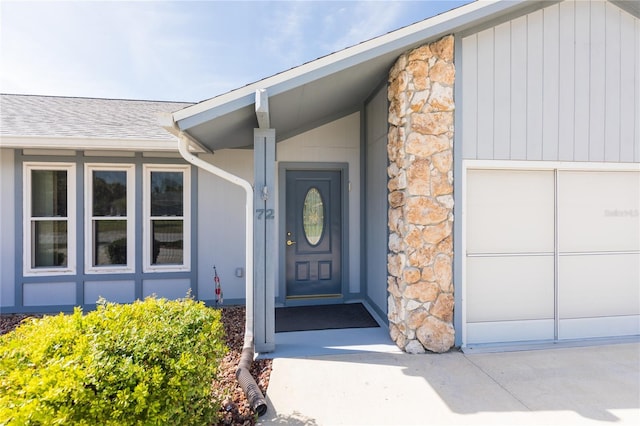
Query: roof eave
pixel 84 143
pixel 402 39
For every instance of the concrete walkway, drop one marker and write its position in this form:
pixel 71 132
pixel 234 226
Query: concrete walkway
pixel 348 384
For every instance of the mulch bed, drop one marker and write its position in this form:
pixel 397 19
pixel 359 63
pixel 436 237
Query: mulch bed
pixel 235 408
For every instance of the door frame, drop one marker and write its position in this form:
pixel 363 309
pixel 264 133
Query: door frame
pixel 283 168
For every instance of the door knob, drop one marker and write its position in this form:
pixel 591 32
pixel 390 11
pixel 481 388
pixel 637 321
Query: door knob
pixel 290 243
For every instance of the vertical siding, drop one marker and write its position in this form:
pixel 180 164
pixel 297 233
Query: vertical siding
pixel 597 82
pixel 470 86
pixel 519 89
pixel 612 83
pixel 486 80
pixel 535 31
pixel 375 246
pixel 558 84
pixel 581 83
pixel 566 94
pixel 550 83
pixel 502 59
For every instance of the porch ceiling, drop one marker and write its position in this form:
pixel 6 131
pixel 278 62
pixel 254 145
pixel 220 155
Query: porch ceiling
pixel 326 88
pixel 294 110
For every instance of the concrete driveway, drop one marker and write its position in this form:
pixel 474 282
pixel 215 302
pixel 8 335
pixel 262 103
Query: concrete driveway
pixel 350 385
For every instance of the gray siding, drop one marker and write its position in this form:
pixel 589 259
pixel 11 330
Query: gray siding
pixel 376 200
pixel 51 293
pixel 113 291
pixel 221 224
pixel 7 228
pixel 558 84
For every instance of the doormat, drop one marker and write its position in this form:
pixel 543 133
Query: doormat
pixel 323 317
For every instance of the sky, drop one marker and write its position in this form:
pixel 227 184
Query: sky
pixel 184 51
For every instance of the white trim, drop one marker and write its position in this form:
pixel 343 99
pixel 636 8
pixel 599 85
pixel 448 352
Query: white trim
pixel 129 169
pixel 87 143
pixel 186 218
pixel 463 291
pixel 519 166
pixel 547 165
pixel 27 246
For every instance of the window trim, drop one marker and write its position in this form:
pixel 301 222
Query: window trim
pixel 89 218
pixel 186 218
pixel 27 219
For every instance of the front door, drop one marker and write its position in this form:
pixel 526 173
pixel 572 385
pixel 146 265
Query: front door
pixel 313 234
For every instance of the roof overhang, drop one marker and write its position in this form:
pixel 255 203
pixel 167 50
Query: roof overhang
pixel 328 87
pixel 91 144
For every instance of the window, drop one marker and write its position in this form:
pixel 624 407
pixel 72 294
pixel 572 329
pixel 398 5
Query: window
pixel 313 216
pixel 109 221
pixel 167 233
pixel 49 212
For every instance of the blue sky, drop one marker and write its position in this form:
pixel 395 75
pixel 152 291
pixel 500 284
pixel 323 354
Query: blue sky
pixel 180 50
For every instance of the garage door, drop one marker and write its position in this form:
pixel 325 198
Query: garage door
pixel 551 255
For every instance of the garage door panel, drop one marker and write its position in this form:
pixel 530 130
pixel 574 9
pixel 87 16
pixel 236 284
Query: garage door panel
pixel 509 331
pixel 599 285
pixel 497 211
pixel 551 254
pixel 498 290
pixel 598 211
pixel 588 328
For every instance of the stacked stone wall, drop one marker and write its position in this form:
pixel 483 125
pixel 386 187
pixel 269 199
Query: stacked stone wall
pixel 420 193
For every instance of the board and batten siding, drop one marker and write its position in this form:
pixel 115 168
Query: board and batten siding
pixel 558 84
pixel 376 236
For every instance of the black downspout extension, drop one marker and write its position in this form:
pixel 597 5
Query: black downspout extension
pixel 248 384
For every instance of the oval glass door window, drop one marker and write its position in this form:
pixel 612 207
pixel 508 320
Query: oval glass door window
pixel 313 216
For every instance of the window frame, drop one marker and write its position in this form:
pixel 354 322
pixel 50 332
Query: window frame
pixel 147 218
pixel 28 246
pixel 89 219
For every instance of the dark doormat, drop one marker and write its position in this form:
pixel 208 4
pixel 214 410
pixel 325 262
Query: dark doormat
pixel 323 317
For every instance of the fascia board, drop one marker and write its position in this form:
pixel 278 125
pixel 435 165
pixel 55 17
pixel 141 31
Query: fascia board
pixel 84 143
pixel 401 39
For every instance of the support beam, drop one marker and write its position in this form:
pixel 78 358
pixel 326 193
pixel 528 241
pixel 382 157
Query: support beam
pixel 264 158
pixel 262 108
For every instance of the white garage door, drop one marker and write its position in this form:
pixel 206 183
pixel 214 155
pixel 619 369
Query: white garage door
pixel 551 255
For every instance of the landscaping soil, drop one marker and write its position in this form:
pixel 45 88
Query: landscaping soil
pixel 235 407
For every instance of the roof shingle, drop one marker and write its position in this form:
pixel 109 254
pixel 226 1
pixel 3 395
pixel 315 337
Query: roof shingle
pixel 52 116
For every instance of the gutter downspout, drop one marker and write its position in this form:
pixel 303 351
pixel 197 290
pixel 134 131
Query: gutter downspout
pixel 245 380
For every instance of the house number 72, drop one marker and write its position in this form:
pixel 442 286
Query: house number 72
pixel 266 213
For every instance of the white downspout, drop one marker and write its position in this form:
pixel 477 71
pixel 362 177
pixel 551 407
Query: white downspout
pixel 243 375
pixel 183 147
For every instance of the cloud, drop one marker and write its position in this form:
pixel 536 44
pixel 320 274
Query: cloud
pixel 178 50
pixel 360 21
pixel 284 32
pixel 44 52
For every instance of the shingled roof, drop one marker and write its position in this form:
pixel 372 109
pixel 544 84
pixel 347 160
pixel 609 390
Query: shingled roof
pixel 52 117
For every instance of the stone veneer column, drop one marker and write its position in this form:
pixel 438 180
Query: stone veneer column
pixel 420 151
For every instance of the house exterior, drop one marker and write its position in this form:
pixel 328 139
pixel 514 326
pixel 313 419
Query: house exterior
pixel 474 178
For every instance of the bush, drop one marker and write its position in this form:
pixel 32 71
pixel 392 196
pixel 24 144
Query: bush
pixel 150 362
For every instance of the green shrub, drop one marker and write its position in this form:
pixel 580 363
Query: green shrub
pixel 150 362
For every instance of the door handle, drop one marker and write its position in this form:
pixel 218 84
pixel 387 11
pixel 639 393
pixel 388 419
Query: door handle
pixel 290 243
